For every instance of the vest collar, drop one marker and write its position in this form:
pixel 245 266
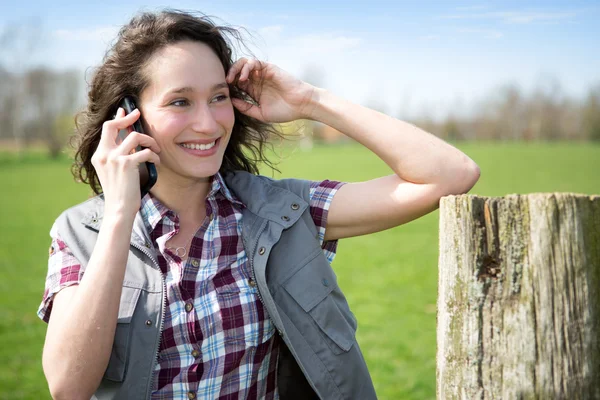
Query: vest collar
pixel 264 199
pixel 93 220
pixel 258 193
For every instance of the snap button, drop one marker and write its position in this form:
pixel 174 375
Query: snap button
pixel 148 322
pixel 295 206
pixel 191 395
pixel 280 332
pixel 251 282
pixel 195 353
pixel 189 307
pixel 147 245
pixel 261 251
pixel 195 262
pixel 285 218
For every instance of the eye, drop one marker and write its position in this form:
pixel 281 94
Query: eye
pixel 180 103
pixel 220 98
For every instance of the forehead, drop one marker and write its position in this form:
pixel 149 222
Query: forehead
pixel 184 64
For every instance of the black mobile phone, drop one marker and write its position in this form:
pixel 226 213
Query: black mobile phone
pixel 148 174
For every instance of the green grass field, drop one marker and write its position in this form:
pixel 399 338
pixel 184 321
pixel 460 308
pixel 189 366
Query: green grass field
pixel 390 278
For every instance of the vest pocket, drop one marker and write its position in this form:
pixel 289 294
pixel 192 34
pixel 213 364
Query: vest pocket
pixel 118 358
pixel 314 288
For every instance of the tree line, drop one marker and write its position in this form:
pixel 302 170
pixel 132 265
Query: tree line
pixel 38 106
pixel 544 114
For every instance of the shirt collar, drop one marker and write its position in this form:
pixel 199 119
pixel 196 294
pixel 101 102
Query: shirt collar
pixel 153 211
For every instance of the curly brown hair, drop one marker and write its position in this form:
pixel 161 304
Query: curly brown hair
pixel 122 74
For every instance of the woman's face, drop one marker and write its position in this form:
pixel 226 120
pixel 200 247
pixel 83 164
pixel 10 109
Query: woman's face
pixel 187 110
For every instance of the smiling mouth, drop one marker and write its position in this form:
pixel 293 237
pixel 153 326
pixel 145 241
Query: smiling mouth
pixel 196 146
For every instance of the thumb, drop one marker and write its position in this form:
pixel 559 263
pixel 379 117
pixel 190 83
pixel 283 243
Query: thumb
pixel 248 109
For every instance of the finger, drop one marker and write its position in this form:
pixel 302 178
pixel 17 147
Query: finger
pixel 245 72
pixel 145 155
pixel 125 121
pixel 235 68
pixel 135 139
pixel 248 109
pixel 111 128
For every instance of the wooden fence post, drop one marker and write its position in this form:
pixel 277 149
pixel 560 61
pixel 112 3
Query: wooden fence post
pixel 519 297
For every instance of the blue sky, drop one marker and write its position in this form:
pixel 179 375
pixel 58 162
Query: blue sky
pixel 407 58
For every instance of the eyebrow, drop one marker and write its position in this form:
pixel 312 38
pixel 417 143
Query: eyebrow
pixel 188 89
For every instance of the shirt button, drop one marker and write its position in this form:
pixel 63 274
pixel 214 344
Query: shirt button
pixel 261 251
pixel 189 307
pixel 191 395
pixel 325 282
pixel 195 353
pixel 251 282
pixel 195 262
pixel 148 322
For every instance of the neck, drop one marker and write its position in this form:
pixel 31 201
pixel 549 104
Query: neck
pixel 184 196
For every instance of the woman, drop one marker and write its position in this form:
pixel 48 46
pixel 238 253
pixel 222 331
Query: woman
pixel 217 283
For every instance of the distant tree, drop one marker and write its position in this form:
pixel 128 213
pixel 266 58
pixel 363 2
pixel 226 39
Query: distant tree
pixel 591 114
pixel 18 43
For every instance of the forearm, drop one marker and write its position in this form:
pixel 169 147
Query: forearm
pixel 82 328
pixel 413 154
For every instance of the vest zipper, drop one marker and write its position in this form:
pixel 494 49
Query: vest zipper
pixel 162 316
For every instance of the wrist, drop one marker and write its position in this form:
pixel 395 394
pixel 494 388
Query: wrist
pixel 311 109
pixel 118 217
pixel 325 108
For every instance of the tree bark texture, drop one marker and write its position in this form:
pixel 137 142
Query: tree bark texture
pixel 519 297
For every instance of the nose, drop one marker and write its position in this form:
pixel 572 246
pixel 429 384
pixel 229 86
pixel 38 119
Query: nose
pixel 203 121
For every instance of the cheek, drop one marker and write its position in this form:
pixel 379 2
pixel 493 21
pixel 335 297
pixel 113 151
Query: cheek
pixel 225 117
pixel 167 127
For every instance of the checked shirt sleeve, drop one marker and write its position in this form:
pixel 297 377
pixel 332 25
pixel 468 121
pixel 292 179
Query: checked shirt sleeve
pixel 63 270
pixel 321 194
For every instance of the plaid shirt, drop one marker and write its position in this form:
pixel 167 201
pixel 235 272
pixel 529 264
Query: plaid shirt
pixel 217 340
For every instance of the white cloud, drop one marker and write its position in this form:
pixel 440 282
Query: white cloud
pixel 516 17
pixel 325 43
pixel 100 34
pixel 273 30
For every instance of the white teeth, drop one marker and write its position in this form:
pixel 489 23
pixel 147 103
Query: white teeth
pixel 195 146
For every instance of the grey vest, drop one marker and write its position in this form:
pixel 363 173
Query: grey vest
pixel 320 358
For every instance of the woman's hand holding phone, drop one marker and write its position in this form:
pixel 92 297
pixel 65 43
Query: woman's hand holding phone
pixel 117 164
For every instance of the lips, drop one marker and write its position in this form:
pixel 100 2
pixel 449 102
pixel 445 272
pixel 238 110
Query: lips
pixel 199 146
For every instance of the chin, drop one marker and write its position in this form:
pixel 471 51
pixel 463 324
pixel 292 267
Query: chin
pixel 206 171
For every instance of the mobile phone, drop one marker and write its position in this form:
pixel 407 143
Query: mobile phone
pixel 148 174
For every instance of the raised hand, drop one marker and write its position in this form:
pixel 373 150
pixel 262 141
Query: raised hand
pixel 117 165
pixel 277 95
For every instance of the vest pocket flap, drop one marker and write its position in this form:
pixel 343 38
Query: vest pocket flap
pixel 129 299
pixel 312 283
pixel 331 321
